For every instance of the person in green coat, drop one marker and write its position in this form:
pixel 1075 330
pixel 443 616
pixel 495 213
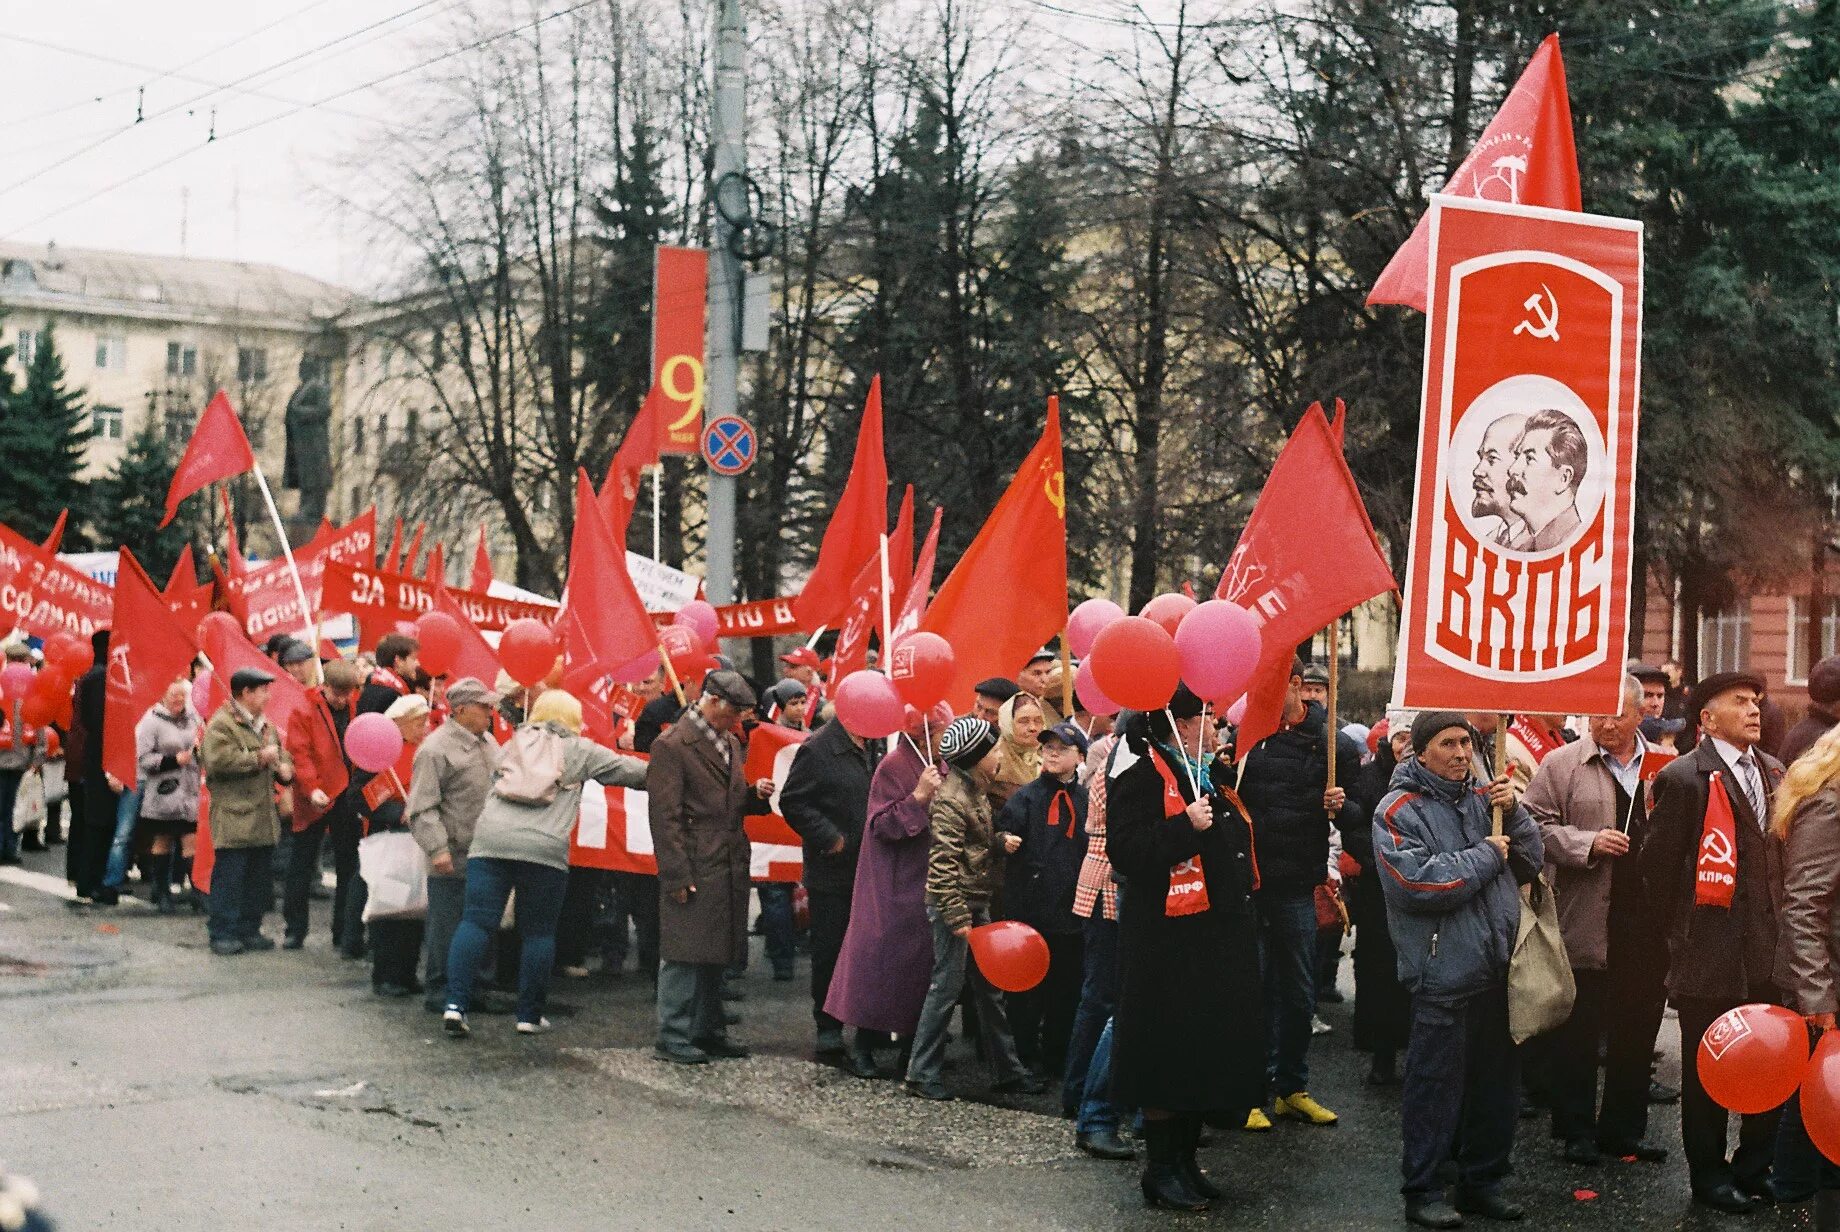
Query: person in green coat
pixel 243 759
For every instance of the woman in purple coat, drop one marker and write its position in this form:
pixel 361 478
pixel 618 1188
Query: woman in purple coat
pixel 887 955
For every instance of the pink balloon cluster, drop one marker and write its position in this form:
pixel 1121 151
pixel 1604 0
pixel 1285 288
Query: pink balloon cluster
pixel 1137 661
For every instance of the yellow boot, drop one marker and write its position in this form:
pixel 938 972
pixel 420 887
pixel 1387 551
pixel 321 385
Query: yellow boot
pixel 1300 1105
pixel 1257 1122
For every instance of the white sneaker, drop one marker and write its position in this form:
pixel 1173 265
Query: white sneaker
pixel 1318 1026
pixel 539 1027
pixel 454 1023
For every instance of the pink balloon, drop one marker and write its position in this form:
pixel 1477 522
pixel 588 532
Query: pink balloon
pixel 638 669
pixel 868 706
pixel 15 679
pixel 1236 713
pixel 1219 643
pixel 1091 696
pixel 373 742
pixel 701 617
pixel 1084 623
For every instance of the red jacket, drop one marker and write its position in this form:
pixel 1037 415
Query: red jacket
pixel 319 757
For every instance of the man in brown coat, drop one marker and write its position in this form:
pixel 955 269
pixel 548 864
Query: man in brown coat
pixel 698 797
pixel 1718 957
pixel 1589 799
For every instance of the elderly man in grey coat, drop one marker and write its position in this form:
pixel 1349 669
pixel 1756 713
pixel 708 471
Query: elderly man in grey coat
pixel 699 797
pixel 453 772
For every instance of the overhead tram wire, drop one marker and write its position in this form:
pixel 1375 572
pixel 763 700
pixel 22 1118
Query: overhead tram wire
pixel 267 120
pixel 197 98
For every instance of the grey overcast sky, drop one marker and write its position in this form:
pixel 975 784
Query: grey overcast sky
pixel 72 75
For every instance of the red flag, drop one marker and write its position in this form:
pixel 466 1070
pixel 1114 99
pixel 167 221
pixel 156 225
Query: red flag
pixel 1524 157
pixel 184 577
pixel 436 573
pixel 913 601
pixel 482 565
pixel 55 539
pixel 638 450
pixel 901 548
pixel 218 449
pixel 1307 555
pixel 228 649
pixel 393 562
pixel 856 527
pixel 476 657
pixel 860 620
pixel 415 548
pixel 603 624
pixel 148 650
pixel 1008 594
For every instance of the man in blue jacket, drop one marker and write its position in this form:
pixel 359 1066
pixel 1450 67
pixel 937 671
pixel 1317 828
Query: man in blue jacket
pixel 1453 905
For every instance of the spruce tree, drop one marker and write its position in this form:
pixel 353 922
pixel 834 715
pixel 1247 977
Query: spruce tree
pixel 127 503
pixel 43 435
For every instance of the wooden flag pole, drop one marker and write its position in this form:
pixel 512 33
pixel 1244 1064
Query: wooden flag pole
pixel 1501 758
pixel 670 673
pixel 300 590
pixel 1335 672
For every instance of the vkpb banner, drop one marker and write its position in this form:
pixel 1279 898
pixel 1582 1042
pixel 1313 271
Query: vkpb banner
pixel 1517 589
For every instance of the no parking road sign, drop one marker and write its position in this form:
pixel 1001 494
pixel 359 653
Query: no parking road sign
pixel 729 445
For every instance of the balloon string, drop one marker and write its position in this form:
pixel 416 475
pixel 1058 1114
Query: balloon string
pixel 1194 784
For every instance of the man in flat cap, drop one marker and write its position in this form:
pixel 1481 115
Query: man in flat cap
pixel 988 696
pixel 1715 895
pixel 243 760
pixel 699 796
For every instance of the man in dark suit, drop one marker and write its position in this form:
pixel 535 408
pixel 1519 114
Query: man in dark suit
pixel 1719 957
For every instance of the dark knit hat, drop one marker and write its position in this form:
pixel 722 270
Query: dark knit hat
pixel 1429 723
pixel 1824 682
pixel 966 741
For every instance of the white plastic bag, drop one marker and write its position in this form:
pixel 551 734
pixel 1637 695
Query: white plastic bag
pixel 395 876
pixel 29 804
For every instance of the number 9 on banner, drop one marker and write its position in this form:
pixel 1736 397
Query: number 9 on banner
pixel 681 380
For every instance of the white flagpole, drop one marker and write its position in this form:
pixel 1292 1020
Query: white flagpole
pixel 300 590
pixel 887 612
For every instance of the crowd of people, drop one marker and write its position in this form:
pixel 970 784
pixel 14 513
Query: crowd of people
pixel 1192 896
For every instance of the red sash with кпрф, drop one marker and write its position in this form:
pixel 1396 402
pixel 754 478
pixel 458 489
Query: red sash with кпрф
pixel 1715 874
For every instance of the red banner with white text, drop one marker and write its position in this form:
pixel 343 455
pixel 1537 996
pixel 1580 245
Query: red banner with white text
pixel 265 595
pixel 680 301
pixel 379 600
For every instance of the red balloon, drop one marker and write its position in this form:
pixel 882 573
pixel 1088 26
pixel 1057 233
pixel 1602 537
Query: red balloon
pixel 1168 610
pixel 868 706
pixel 1821 1097
pixel 37 710
pixel 1011 955
pixel 1135 663
pixel 921 669
pixel 46 699
pixel 441 638
pixel 69 652
pixel 1752 1058
pixel 528 650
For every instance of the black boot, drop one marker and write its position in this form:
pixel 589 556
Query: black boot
pixel 1190 1141
pixel 160 872
pixel 1163 1182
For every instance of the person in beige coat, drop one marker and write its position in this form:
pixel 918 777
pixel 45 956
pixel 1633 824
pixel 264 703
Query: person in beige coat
pixel 1589 799
pixel 243 761
pixel 698 797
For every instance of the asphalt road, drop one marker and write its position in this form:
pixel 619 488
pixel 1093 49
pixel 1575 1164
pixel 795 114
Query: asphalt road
pixel 145 1083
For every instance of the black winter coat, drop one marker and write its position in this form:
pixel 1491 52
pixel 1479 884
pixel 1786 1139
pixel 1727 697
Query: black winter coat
pixel 826 797
pixel 1042 874
pixel 1286 774
pixel 1189 1034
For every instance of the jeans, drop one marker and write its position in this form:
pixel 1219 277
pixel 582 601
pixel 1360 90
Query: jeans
pixel 635 896
pixel 302 872
pixel 1287 948
pixel 690 1005
pixel 121 850
pixel 830 919
pixel 776 926
pixel 240 892
pixel 1097 1111
pixel 9 797
pixel 489 884
pixel 1098 998
pixel 1461 1097
pixel 1798 1168
pixel 950 978
pixel 446 903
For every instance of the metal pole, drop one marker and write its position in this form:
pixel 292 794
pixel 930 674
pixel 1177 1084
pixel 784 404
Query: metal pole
pixel 721 389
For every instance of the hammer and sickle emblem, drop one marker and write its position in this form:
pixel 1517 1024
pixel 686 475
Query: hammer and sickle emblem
pixel 1055 486
pixel 1717 849
pixel 1545 311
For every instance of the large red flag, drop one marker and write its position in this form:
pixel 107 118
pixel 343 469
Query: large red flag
pixel 1008 595
pixel 184 576
pixel 55 539
pixel 482 565
pixel 856 528
pixel 218 449
pixel 638 450
pixel 1524 157
pixel 148 650
pixel 913 601
pixel 476 657
pixel 1308 554
pixel 604 624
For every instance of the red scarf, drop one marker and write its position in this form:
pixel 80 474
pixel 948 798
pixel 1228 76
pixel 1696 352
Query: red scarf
pixel 1715 875
pixel 1054 812
pixel 389 679
pixel 1188 893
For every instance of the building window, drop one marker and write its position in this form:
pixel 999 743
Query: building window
pixel 179 426
pixel 29 342
pixel 111 352
pixel 1724 641
pixel 251 364
pixel 181 360
pixel 1798 634
pixel 105 423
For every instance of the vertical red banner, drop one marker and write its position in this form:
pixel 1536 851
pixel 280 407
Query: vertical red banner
pixel 680 310
pixel 1517 594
